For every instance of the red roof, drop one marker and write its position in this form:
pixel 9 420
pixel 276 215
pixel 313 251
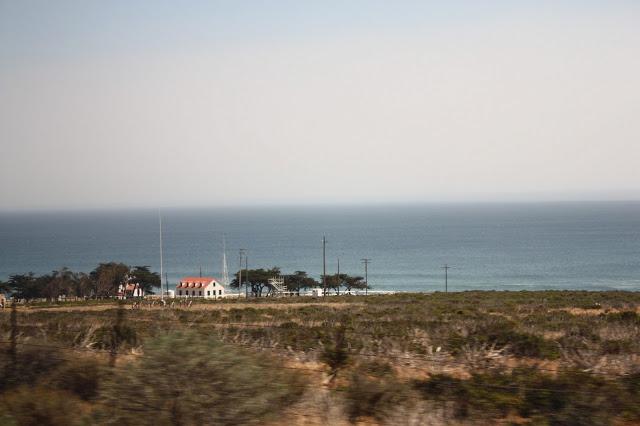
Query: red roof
pixel 201 280
pixel 196 282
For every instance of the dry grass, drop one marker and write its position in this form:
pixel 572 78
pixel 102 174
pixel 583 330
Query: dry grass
pixel 195 307
pixel 468 341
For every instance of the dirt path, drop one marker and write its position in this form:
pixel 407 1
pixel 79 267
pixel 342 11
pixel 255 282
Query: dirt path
pixel 195 307
pixel 597 311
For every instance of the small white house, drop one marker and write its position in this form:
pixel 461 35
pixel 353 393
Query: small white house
pixel 128 290
pixel 204 287
pixel 317 292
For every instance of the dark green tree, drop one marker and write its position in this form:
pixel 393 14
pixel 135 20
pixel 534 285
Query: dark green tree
pixel 107 277
pixel 25 286
pixel 84 286
pixel 299 280
pixel 4 287
pixel 354 283
pixel 145 278
pixel 58 283
pixel 258 280
pixel 336 281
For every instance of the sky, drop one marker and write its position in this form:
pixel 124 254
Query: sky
pixel 215 103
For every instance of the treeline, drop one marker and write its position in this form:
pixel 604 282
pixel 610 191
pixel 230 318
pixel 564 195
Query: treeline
pixel 103 281
pixel 257 281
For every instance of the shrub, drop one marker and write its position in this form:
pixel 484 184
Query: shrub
pixel 335 354
pixel 626 317
pixel 373 396
pixel 109 336
pixel 503 335
pixel 32 363
pixel 187 378
pixel 39 406
pixel 81 378
pixel 570 398
pixel 616 347
pixel 527 345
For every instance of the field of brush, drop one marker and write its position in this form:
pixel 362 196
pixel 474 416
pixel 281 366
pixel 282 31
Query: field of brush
pixel 459 358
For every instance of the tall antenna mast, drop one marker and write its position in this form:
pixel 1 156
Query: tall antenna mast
pixel 161 260
pixel 241 253
pixel 225 267
pixel 324 265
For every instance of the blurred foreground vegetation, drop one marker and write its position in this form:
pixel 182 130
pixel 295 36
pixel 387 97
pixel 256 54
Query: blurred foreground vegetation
pixel 543 358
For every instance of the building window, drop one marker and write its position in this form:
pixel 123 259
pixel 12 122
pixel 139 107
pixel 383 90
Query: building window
pixel 208 292
pixel 179 292
pixel 220 292
pixel 200 293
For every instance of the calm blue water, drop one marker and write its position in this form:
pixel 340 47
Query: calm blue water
pixel 491 246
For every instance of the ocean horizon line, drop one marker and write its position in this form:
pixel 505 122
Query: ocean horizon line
pixel 306 206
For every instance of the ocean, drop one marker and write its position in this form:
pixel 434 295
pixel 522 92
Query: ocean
pixel 532 246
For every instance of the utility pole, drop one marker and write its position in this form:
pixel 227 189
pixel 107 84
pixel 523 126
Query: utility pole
pixel 338 287
pixel 166 281
pixel 160 222
pixel 13 339
pixel 241 252
pixel 324 266
pixel 246 265
pixel 366 274
pixel 117 334
pixel 446 277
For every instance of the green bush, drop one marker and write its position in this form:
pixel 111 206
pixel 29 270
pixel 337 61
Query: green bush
pixel 188 378
pixel 81 378
pixel 374 395
pixel 570 398
pixel 335 354
pixel 107 337
pixel 616 347
pixel 502 335
pixel 28 406
pixel 625 317
pixel 32 363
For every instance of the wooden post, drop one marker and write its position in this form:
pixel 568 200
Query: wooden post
pixel 13 339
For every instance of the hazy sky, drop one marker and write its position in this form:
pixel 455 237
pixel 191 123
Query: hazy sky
pixel 133 103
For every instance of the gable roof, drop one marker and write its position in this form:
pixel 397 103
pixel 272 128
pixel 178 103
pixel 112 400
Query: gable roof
pixel 201 280
pixel 197 282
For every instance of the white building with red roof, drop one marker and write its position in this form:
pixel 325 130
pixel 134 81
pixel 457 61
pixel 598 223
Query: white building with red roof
pixel 129 290
pixel 204 287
